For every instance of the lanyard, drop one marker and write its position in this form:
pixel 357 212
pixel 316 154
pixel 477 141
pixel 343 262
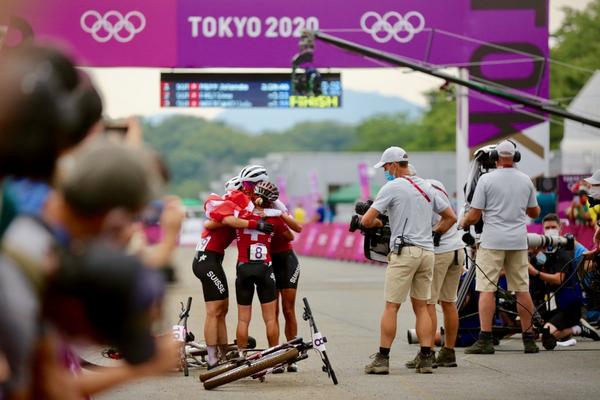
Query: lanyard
pixel 418 188
pixel 440 189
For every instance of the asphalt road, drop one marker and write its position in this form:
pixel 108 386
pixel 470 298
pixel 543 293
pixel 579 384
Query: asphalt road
pixel 347 300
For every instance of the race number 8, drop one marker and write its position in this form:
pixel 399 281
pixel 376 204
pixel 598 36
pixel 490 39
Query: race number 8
pixel 258 252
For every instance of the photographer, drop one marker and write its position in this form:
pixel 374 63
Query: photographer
pixel 409 202
pixel 504 198
pixel 555 269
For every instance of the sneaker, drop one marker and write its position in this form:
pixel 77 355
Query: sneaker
pixel 278 370
pixel 588 330
pixel 446 358
pixel 529 346
pixel 425 363
pixel 292 367
pixel 481 347
pixel 548 339
pixel 379 366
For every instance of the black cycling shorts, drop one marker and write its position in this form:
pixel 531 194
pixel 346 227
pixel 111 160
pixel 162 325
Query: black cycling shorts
pixel 566 318
pixel 208 267
pixel 255 274
pixel 286 269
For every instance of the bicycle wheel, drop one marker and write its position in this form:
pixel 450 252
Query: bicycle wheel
pixel 218 371
pixel 271 360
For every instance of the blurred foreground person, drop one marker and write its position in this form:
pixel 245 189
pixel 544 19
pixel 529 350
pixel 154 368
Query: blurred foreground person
pixel 88 289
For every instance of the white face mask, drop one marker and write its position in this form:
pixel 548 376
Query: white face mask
pixel 552 232
pixel 595 192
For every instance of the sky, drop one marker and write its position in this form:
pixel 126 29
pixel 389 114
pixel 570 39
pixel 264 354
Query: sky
pixel 117 84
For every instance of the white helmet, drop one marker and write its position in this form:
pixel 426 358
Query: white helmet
pixel 253 173
pixel 233 184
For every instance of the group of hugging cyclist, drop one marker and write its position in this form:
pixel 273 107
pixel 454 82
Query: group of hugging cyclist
pixel 251 213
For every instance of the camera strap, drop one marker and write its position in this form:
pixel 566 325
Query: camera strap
pixel 417 187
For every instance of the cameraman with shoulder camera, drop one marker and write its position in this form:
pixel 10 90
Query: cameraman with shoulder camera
pixel 554 267
pixel 409 202
pixel 504 197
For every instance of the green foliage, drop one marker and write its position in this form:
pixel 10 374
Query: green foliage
pixel 578 44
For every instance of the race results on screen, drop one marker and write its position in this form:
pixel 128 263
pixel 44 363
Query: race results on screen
pixel 244 90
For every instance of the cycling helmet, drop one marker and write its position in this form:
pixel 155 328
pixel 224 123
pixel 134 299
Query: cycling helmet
pixel 233 184
pixel 253 173
pixel 267 191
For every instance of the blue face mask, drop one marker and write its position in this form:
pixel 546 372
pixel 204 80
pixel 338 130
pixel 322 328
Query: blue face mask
pixel 541 258
pixel 388 176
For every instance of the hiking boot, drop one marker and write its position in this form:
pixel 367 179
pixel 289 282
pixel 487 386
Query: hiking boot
pixel 412 364
pixel 481 346
pixel 548 339
pixel 529 346
pixel 379 366
pixel 292 367
pixel 425 363
pixel 446 358
pixel 588 330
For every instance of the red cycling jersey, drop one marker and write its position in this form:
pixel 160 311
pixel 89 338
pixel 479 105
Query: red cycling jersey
pixel 216 240
pixel 280 244
pixel 255 246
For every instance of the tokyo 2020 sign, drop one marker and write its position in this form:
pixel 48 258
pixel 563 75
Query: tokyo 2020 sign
pixel 502 41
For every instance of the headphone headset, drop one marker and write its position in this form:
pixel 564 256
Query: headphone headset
pixel 494 156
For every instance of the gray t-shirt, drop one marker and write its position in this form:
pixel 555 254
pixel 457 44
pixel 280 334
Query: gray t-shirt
pixel 19 304
pixel 410 208
pixel 451 240
pixel 504 195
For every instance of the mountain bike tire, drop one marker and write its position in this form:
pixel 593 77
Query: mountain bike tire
pixel 243 371
pixel 218 371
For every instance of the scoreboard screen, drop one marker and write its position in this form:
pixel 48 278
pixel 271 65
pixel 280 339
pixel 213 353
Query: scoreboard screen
pixel 244 90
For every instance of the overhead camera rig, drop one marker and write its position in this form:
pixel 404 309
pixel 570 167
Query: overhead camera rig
pixel 306 55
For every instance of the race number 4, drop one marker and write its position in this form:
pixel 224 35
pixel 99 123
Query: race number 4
pixel 201 246
pixel 258 252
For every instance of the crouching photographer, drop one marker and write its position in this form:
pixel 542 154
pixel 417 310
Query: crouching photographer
pixel 552 268
pixel 409 202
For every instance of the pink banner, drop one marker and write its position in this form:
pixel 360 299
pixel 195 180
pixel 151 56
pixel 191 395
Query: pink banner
pixel 363 179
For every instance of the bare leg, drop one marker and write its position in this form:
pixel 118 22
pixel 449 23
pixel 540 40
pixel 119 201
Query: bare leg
pixel 450 323
pixel 388 324
pixel 221 325
pixel 433 317
pixel 487 307
pixel 244 317
pixel 525 308
pixel 214 312
pixel 270 318
pixel 423 324
pixel 288 303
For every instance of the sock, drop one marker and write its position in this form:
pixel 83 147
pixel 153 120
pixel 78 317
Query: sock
pixel 425 351
pixel 576 330
pixel 528 336
pixel 485 336
pixel 384 351
pixel 212 355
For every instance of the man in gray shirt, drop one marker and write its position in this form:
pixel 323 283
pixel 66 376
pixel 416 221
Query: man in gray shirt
pixel 409 202
pixel 504 198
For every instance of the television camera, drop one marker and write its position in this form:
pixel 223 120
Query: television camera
pixel 377 240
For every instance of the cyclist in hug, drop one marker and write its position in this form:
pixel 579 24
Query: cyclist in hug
pixel 254 268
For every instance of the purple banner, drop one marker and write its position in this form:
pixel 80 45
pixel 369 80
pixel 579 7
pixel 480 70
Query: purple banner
pixel 494 39
pixel 568 186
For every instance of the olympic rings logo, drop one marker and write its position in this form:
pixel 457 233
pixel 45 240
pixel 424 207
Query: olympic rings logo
pixel 392 25
pixel 112 25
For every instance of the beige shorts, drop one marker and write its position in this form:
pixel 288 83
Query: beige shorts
pixel 411 271
pixel 492 262
pixel 446 275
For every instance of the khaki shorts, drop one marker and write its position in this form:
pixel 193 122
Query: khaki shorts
pixel 412 271
pixel 446 275
pixel 492 262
